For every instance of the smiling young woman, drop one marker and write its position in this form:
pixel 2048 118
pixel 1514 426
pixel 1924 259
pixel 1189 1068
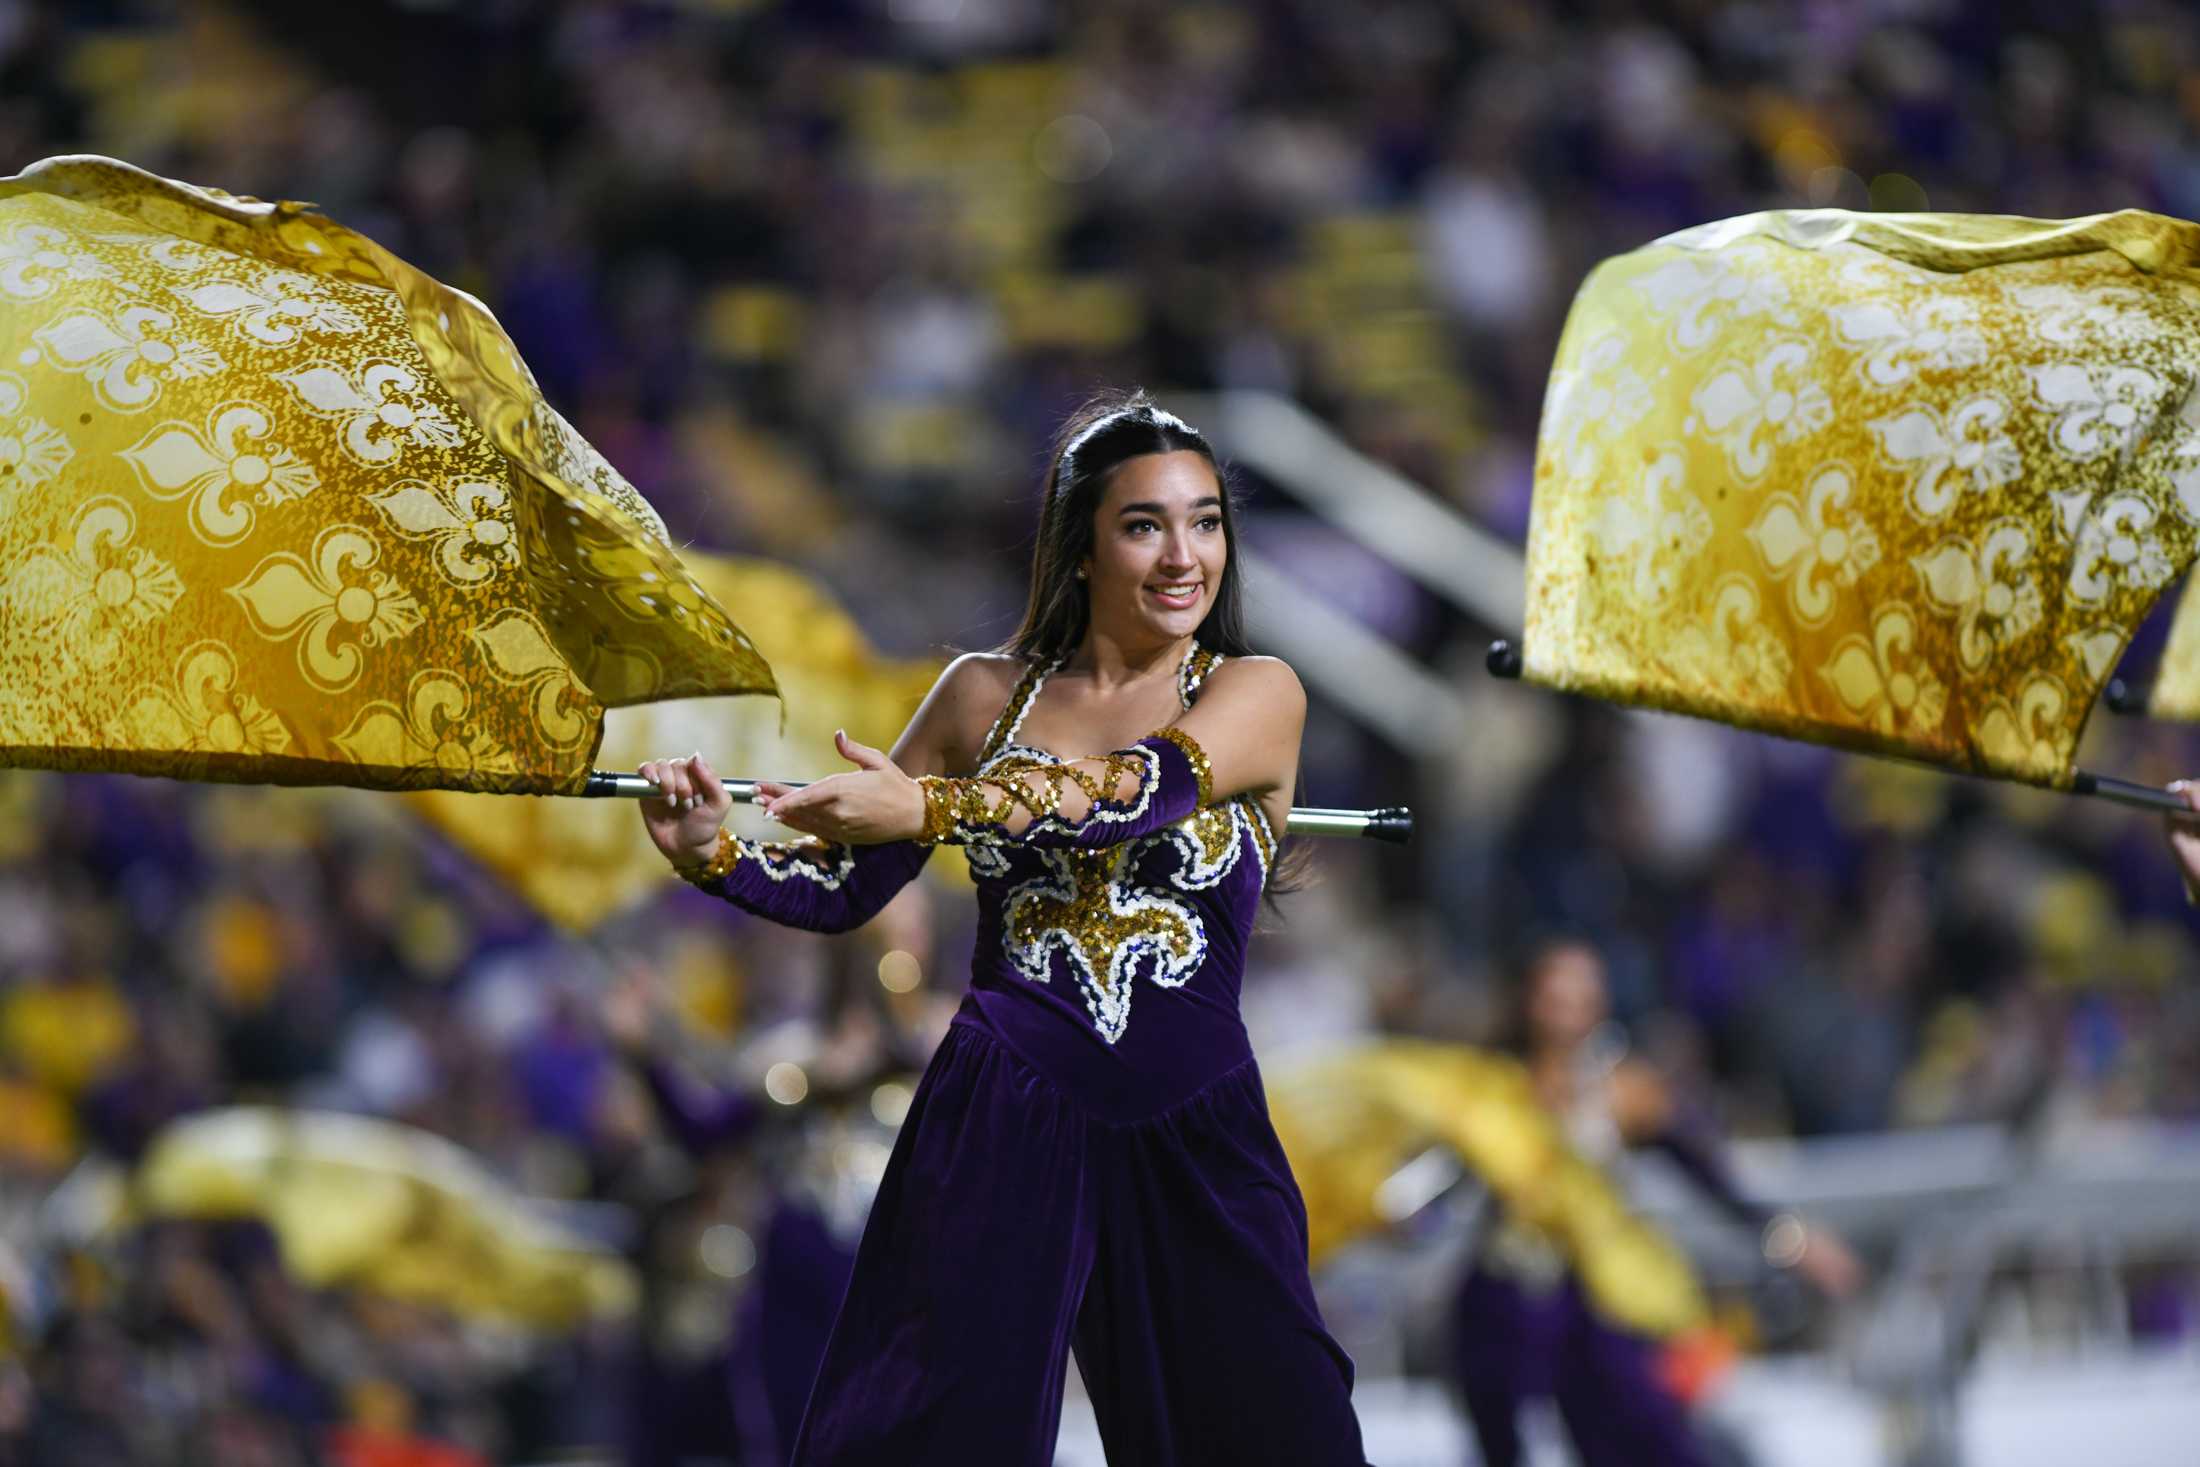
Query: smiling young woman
pixel 1071 1175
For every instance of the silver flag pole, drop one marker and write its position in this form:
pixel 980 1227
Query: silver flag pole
pixel 1392 823
pixel 1504 661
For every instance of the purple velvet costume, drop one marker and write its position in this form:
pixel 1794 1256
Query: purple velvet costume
pixel 1516 1340
pixel 1073 1174
pixel 1523 1327
pixel 755 1395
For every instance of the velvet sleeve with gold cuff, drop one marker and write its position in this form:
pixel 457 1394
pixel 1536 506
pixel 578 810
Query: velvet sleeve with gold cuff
pixel 815 885
pixel 1113 798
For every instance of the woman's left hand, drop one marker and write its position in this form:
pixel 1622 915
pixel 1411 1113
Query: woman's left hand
pixel 875 804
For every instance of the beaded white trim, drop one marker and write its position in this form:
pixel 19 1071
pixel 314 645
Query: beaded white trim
pixel 1199 870
pixel 1190 677
pixel 988 863
pixel 785 860
pixel 1108 813
pixel 999 738
pixel 1009 722
pixel 1264 840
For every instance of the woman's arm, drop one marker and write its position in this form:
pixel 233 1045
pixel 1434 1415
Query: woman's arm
pixel 1242 737
pixel 1648 1115
pixel 820 886
pixel 699 1119
pixel 817 886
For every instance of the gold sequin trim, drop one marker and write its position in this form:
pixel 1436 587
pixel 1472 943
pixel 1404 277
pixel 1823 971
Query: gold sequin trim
pixel 976 810
pixel 1264 837
pixel 939 809
pixel 719 866
pixel 1012 714
pixel 1197 664
pixel 1197 757
pixel 820 863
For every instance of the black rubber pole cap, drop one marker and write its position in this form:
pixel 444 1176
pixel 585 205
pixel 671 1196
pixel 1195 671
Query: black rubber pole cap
pixel 1393 823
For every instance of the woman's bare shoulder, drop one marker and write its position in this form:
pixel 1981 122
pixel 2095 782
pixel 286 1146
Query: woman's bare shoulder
pixel 1267 678
pixel 980 677
pixel 960 709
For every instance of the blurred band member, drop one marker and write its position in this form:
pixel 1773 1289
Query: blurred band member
pixel 1523 1324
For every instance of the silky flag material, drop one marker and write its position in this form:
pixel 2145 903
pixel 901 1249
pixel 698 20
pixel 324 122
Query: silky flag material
pixel 580 862
pixel 277 507
pixel 2175 690
pixel 1354 1121
pixel 1899 483
pixel 363 1203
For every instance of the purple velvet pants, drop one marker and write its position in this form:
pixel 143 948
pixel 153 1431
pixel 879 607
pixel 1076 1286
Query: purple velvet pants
pixel 1515 1343
pixel 1014 1223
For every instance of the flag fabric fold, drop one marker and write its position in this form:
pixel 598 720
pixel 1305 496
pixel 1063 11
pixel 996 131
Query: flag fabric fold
pixel 581 862
pixel 2174 691
pixel 277 507
pixel 1898 483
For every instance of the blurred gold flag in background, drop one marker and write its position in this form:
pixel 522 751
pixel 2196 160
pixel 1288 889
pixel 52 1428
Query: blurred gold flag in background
pixel 1353 1121
pixel 276 507
pixel 580 862
pixel 1901 483
pixel 365 1203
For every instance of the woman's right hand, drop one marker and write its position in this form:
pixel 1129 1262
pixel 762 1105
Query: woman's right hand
pixel 684 815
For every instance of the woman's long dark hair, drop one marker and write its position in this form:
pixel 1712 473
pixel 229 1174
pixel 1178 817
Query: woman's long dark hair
pixel 1099 438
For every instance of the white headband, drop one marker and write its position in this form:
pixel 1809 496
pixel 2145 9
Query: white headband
pixel 1160 417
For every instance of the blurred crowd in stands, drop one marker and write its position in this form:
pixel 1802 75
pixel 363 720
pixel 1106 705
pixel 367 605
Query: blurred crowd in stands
pixel 819 277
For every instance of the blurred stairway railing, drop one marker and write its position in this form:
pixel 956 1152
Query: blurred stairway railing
pixel 1975 1222
pixel 1478 572
pixel 1359 670
pixel 1368 676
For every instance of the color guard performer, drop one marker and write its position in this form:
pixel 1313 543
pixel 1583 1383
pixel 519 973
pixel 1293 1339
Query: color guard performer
pixel 1089 1161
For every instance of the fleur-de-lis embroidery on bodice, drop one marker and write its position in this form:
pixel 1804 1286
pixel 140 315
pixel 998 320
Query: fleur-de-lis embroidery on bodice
pixel 1110 928
pixel 1115 914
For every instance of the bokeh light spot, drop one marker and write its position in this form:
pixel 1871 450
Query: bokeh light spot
pixel 1072 149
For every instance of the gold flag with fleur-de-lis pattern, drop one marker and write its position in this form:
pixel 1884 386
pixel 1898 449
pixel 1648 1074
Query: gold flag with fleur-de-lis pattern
pixel 276 507
pixel 581 862
pixel 1900 483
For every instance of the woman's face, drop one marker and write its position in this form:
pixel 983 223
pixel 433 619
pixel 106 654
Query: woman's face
pixel 1566 998
pixel 1158 547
